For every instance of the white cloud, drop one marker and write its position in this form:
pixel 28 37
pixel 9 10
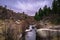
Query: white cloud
pixel 25 6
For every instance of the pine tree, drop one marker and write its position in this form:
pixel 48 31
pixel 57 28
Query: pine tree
pixel 40 13
pixel 45 10
pixel 36 17
pixel 48 11
pixel 54 6
pixel 58 5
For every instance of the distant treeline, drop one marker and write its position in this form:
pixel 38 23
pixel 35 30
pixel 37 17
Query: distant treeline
pixel 52 14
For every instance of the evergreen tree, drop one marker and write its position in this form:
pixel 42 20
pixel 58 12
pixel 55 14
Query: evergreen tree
pixel 54 6
pixel 45 10
pixel 36 17
pixel 58 5
pixel 40 12
pixel 48 11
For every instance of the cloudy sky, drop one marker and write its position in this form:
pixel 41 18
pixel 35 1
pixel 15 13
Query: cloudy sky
pixel 27 6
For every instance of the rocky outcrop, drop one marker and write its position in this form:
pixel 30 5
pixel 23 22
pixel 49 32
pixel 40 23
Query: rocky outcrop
pixel 47 33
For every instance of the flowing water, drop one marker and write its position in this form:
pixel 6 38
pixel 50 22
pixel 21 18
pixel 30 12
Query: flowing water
pixel 43 32
pixel 30 33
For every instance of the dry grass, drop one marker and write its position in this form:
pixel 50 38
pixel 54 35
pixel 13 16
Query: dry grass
pixel 17 28
pixel 1 30
pixel 12 25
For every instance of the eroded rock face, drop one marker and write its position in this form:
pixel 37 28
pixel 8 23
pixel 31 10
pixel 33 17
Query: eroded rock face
pixel 44 32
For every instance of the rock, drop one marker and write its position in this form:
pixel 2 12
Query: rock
pixel 45 32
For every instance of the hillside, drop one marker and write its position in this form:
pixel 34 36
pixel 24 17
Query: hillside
pixel 13 23
pixel 52 14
